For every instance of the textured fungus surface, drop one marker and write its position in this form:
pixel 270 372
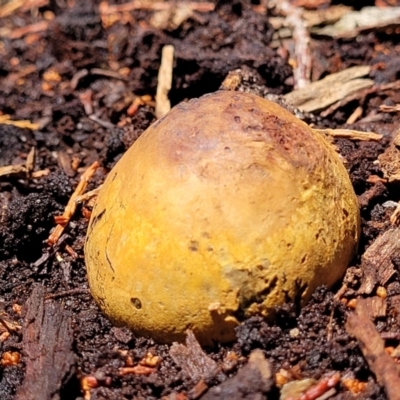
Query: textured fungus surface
pixel 226 207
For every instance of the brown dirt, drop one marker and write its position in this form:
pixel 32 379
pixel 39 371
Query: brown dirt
pixel 207 46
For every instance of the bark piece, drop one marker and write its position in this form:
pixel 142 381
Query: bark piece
pixel 366 19
pixel 320 94
pixel 191 358
pixel 374 191
pixel 389 160
pixel 47 348
pixel 376 306
pixel 376 263
pixel 395 303
pixel 252 382
pixel 372 346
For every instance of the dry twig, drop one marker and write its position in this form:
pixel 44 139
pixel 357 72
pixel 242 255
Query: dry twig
pixel 26 30
pixel 72 292
pixel 136 370
pixel 350 134
pixel 163 105
pixel 356 114
pixel 88 195
pixel 395 217
pixel 303 61
pixel 140 101
pixel 389 109
pixel 62 221
pixel 5 119
pixel 24 169
pixel 104 124
pixel 12 6
pixel 106 8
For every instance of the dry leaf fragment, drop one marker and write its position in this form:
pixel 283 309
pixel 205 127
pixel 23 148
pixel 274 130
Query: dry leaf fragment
pixel 320 94
pixel 354 22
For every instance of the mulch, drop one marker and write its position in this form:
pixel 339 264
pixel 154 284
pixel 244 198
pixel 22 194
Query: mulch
pixel 77 86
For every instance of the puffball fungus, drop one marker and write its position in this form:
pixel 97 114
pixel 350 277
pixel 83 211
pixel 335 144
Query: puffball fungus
pixel 226 207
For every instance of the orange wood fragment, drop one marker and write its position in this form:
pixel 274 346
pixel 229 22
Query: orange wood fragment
pixel 62 221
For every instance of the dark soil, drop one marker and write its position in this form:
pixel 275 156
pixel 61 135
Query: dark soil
pixel 208 45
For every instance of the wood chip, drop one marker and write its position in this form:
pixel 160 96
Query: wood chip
pixel 37 27
pixel 326 16
pixel 173 17
pixel 389 109
pixel 320 94
pixel 377 307
pixel 389 160
pixel 152 5
pixel 7 324
pixel 191 358
pixel 366 19
pixel 350 134
pixel 232 80
pixel 10 7
pixel 395 303
pixel 13 170
pixel 253 381
pixel 357 113
pixel 361 96
pixel 372 346
pixel 163 105
pixel 317 18
pixel 136 370
pixel 5 119
pixel 30 160
pixel 69 211
pixel 64 162
pixel 26 170
pixel 88 195
pixel 47 344
pixel 378 189
pixel 376 263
